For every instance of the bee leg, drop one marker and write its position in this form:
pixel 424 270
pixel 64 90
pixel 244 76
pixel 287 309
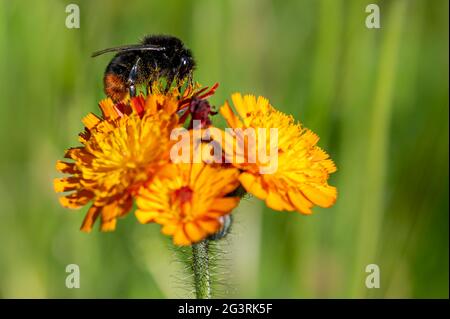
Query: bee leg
pixel 150 87
pixel 190 80
pixel 132 89
pixel 132 78
pixel 170 79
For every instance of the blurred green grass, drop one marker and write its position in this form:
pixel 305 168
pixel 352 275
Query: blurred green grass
pixel 377 98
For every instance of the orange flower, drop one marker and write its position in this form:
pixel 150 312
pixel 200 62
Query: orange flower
pixel 300 180
pixel 120 151
pixel 188 200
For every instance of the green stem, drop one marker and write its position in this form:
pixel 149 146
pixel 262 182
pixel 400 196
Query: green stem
pixel 200 265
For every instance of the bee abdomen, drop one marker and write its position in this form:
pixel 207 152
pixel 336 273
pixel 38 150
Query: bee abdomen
pixel 115 86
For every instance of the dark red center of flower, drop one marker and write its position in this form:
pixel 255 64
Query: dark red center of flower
pixel 184 194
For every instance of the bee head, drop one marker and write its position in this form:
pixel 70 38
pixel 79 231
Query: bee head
pixel 186 63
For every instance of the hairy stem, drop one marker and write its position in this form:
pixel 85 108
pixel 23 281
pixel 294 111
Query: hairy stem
pixel 200 265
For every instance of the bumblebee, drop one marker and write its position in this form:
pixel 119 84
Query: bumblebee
pixel 156 57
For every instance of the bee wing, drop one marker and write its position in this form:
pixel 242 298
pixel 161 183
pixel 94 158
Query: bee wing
pixel 133 47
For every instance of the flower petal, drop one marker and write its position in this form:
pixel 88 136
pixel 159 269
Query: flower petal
pixel 90 218
pixel 225 204
pixel 300 202
pixel 194 232
pixel 323 196
pixel 180 238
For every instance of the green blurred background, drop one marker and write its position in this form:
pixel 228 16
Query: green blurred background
pixel 378 98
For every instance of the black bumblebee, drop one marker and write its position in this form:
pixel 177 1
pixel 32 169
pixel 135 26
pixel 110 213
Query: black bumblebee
pixel 156 57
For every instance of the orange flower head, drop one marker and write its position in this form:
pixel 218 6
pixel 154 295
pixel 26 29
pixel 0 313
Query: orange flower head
pixel 120 151
pixel 300 180
pixel 188 200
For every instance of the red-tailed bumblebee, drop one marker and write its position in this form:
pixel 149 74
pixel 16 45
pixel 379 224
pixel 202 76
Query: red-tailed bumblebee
pixel 156 57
